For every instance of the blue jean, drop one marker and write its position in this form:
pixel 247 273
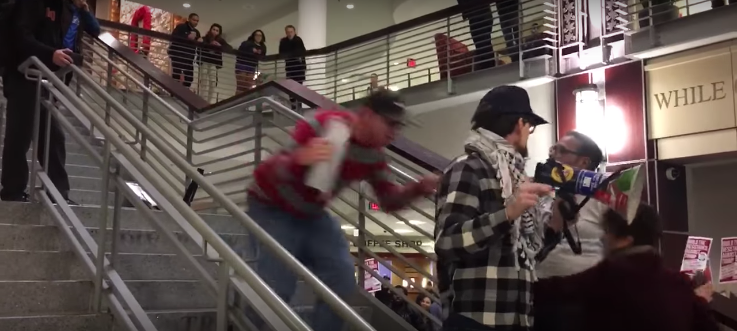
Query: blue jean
pixel 317 242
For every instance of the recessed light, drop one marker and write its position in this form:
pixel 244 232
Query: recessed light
pixel 393 88
pixel 349 6
pixel 186 5
pixel 344 80
pixel 347 227
pixel 402 230
pixel 396 63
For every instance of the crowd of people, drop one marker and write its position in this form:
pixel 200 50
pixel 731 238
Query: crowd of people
pixel 210 58
pixel 492 222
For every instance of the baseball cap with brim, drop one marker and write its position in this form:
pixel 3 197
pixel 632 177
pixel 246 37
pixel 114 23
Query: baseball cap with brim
pixel 389 105
pixel 507 100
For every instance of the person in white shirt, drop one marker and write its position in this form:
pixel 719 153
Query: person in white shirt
pixel 578 151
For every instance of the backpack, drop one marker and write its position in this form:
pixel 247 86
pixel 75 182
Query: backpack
pixel 7 11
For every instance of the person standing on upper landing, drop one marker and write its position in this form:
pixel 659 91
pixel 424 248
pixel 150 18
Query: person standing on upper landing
pixel 253 49
pixel 292 50
pixel 181 54
pixel 50 30
pixel 211 60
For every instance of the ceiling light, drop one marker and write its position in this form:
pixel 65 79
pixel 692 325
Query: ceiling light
pixel 396 63
pixel 344 80
pixel 402 230
pixel 186 5
pixel 413 222
pixel 347 227
pixel 349 6
pixel 393 88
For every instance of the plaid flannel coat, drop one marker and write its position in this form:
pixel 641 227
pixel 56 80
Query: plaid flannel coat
pixel 477 275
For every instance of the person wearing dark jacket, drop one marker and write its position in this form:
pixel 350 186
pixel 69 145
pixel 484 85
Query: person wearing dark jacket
pixel 292 50
pixel 631 289
pixel 50 30
pixel 211 60
pixel 182 54
pixel 252 50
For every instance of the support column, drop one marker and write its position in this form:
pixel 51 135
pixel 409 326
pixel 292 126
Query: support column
pixel 313 29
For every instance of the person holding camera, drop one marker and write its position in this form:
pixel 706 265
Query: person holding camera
pixel 490 221
pixel 50 30
pixel 631 289
pixel 579 151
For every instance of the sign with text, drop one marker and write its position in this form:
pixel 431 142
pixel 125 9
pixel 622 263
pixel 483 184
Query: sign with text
pixel 692 84
pixel 727 264
pixel 371 284
pixel 696 255
pixel 399 245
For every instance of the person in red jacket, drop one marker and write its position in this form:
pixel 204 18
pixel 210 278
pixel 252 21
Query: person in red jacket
pixel 631 289
pixel 294 214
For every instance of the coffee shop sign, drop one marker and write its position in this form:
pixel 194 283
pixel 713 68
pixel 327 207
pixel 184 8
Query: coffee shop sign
pixel 391 243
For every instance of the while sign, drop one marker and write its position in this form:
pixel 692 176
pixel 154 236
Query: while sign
pixel 728 265
pixel 696 254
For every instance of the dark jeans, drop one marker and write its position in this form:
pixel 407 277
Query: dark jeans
pixel 296 70
pixel 558 317
pixel 21 97
pixel 182 69
pixel 318 243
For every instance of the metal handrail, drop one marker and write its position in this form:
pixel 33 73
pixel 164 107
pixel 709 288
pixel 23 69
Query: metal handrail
pixel 226 253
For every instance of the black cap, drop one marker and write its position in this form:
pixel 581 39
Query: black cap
pixel 388 104
pixel 506 100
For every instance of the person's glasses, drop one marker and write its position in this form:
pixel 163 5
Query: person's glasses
pixel 561 150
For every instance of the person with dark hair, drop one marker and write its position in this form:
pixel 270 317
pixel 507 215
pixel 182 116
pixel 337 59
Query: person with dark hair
pixel 373 84
pixel 252 50
pixel 211 60
pixel 631 289
pixel 422 322
pixel 292 50
pixel 181 54
pixel 384 295
pixel 294 214
pixel 581 152
pixel 52 31
pixel 489 224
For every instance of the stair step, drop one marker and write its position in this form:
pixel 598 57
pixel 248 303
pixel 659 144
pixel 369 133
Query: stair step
pixel 170 295
pixel 39 265
pixel 47 238
pixel 44 297
pixel 80 170
pixel 33 214
pixel 183 320
pixel 88 322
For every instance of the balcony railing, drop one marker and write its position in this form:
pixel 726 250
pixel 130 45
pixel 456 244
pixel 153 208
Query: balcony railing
pixel 419 51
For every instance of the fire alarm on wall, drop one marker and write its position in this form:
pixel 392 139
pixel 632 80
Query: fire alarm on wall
pixel 411 63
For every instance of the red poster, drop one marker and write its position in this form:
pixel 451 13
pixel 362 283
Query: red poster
pixel 371 284
pixel 696 255
pixel 728 266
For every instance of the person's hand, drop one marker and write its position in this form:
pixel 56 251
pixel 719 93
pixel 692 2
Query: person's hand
pixel 316 150
pixel 61 58
pixel 428 184
pixel 526 196
pixel 705 291
pixel 192 35
pixel 214 42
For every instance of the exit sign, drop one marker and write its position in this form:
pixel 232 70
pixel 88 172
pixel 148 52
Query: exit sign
pixel 411 63
pixel 374 206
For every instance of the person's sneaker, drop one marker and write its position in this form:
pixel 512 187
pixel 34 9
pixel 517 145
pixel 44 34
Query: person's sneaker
pixel 17 198
pixel 72 202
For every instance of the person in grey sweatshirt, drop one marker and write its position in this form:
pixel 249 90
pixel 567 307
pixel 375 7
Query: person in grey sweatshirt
pixel 578 151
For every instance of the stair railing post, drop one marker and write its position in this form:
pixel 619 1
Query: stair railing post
pixel 144 114
pixel 116 216
pixel 222 296
pixel 36 131
pixel 361 236
pixel 102 231
pixel 190 142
